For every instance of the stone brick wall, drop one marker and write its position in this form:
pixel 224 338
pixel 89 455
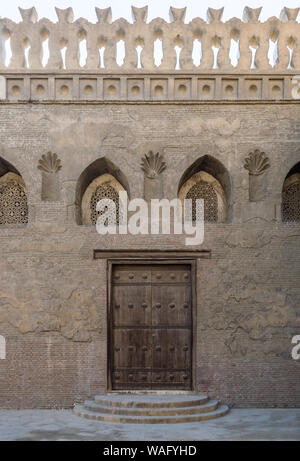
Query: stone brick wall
pixel 53 293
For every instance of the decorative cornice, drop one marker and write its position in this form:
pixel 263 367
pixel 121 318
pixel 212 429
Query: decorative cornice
pixel 142 87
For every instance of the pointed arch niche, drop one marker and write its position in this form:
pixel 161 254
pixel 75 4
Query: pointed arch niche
pixel 101 179
pixel 208 179
pixel 290 205
pixel 13 196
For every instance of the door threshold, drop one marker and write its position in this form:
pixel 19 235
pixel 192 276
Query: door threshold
pixel 151 392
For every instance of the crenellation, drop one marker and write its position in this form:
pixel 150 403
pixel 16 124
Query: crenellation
pixel 251 14
pixel 65 16
pixel 29 14
pixel 214 15
pixel 139 14
pixel 104 15
pixel 28 37
pixel 288 39
pixel 289 14
pixel 177 14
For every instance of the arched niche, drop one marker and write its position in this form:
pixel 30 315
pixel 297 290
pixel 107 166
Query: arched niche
pixel 290 204
pixel 208 178
pixel 205 186
pixel 101 173
pixel 104 186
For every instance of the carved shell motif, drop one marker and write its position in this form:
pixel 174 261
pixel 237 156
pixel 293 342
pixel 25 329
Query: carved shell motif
pixel 153 164
pixel 49 163
pixel 257 163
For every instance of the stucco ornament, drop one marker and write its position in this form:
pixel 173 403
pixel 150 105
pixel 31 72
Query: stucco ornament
pixel 257 163
pixel 49 163
pixel 152 165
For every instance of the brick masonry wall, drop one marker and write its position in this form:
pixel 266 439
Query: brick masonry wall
pixel 53 294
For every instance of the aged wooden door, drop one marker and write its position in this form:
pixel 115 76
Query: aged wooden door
pixel 151 327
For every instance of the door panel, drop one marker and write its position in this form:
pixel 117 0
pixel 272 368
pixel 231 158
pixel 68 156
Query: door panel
pixel 169 274
pixel 151 327
pixel 172 349
pixel 132 379
pixel 171 305
pixel 171 380
pixel 133 348
pixel 134 274
pixel 131 305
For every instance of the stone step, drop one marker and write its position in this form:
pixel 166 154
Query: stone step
pixel 150 411
pixel 115 418
pixel 153 401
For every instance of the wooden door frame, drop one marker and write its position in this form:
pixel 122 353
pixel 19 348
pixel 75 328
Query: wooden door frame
pixel 147 261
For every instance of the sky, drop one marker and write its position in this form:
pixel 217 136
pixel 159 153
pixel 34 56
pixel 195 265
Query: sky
pixel 121 8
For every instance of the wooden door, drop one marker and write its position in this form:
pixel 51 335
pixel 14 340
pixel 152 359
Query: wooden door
pixel 151 327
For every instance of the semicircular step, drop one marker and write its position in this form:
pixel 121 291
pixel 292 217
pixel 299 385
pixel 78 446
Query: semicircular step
pixel 150 411
pixel 155 401
pixel 115 418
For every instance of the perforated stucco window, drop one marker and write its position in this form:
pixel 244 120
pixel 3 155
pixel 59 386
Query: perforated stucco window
pixel 291 199
pixel 203 190
pixel 13 200
pixel 204 186
pixel 102 192
pixel 103 187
